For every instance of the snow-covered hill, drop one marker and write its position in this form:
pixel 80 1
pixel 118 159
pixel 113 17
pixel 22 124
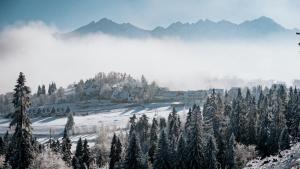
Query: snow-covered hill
pixel 287 159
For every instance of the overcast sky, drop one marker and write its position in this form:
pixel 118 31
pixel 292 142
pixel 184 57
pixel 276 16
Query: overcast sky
pixel 70 14
pixel 30 46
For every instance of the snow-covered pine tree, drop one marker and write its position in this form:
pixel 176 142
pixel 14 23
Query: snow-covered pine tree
pixel 39 91
pixel 2 151
pixel 231 162
pixel 181 154
pixel 162 155
pixel 77 161
pixel 153 140
pixel 115 152
pixel 174 125
pixel 66 148
pixel 22 151
pixel 70 124
pixel 142 130
pixel 43 90
pixel 284 140
pixel 133 158
pixel 210 154
pixel 195 156
pixel 86 155
pixel 162 123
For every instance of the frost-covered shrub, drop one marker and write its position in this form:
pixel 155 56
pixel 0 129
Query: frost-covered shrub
pixel 48 160
pixel 2 159
pixel 244 154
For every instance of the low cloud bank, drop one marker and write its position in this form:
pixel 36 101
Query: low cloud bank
pixel 37 50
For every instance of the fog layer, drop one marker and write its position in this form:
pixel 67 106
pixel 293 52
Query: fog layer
pixel 38 51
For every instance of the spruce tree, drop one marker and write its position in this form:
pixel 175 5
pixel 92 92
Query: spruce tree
pixel 115 152
pixel 181 154
pixel 162 155
pixel 66 148
pixel 162 123
pixel 231 163
pixel 153 140
pixel 142 129
pixel 86 155
pixel 2 150
pixel 43 90
pixel 195 156
pixel 133 158
pixel 77 161
pixel 284 140
pixel 210 154
pixel 21 149
pixel 70 124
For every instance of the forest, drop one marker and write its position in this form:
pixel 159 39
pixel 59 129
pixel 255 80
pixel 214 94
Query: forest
pixel 225 133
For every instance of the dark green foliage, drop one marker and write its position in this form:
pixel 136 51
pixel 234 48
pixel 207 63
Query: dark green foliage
pixel 162 123
pixel 86 155
pixel 210 154
pixel 231 163
pixel 181 154
pixel 195 156
pixel 2 145
pixel 153 140
pixel 142 130
pixel 133 158
pixel 66 148
pixel 21 150
pixel 162 156
pixel 77 161
pixel 115 152
pixel 284 140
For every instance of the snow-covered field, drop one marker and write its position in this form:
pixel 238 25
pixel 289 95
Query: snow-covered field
pixel 87 126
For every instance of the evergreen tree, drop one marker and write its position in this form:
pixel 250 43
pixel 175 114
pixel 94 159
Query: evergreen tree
pixel 181 154
pixel 133 158
pixel 210 154
pixel 70 123
pixel 153 140
pixel 86 155
pixel 21 149
pixel 2 151
pixel 195 156
pixel 284 140
pixel 142 129
pixel 161 158
pixel 115 152
pixel 66 148
pixel 162 123
pixel 77 161
pixel 43 90
pixel 39 91
pixel 231 163
pixel 173 129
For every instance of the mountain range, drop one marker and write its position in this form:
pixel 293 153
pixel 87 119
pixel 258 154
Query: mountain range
pixel 261 27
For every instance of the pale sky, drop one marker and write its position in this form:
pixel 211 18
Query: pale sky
pixel 70 14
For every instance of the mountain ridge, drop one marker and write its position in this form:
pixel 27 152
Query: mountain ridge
pixel 202 29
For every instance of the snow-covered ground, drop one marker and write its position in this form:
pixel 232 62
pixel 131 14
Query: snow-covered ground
pixel 288 159
pixel 88 125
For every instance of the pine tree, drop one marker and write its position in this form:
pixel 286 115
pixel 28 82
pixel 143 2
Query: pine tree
pixel 153 140
pixel 70 123
pixel 77 161
pixel 66 148
pixel 173 129
pixel 231 163
pixel 161 158
pixel 133 158
pixel 142 129
pixel 2 151
pixel 195 156
pixel 86 155
pixel 39 91
pixel 284 140
pixel 43 90
pixel 162 123
pixel 21 149
pixel 115 152
pixel 181 154
pixel 210 154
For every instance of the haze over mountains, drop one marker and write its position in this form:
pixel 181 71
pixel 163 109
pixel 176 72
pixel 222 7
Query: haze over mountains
pixel 262 27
